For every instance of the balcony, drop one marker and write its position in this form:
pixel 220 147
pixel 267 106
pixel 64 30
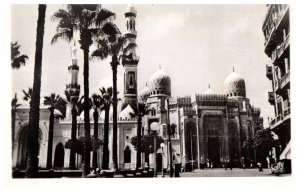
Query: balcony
pixel 271 98
pixel 285 81
pixel 276 85
pixel 269 73
pixel 280 118
pixel 287 112
pixel 274 24
pixel 284 45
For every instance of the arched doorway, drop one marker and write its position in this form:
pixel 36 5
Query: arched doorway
pixel 59 156
pixel 191 142
pixel 127 157
pixel 213 146
pixel 22 147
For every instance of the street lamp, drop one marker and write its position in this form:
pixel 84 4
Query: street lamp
pixel 162 145
pixel 154 128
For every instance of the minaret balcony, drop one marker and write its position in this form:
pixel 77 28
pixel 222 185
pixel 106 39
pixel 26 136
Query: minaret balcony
pixel 73 67
pixel 73 86
pixel 269 73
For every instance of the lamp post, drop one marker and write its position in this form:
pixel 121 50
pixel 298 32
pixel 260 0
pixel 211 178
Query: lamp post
pixel 154 128
pixel 162 158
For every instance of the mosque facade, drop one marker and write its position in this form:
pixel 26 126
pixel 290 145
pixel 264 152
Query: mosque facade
pixel 206 127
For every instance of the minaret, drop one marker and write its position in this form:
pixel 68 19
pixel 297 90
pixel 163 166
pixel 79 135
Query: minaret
pixel 130 61
pixel 73 87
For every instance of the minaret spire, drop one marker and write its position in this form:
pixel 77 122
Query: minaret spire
pixel 208 86
pixel 232 68
pixel 130 65
pixel 159 66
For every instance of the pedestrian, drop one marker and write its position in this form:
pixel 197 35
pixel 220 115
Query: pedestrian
pixel 259 165
pixel 212 165
pixel 244 166
pixel 207 163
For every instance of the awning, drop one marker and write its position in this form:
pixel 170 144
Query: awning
pixel 286 153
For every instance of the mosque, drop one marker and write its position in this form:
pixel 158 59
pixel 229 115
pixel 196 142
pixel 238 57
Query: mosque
pixel 208 127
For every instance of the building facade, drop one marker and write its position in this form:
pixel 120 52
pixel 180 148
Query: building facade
pixel 276 29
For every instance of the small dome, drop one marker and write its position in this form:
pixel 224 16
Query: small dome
pixel 234 85
pixel 126 113
pixel 209 91
pixel 144 94
pixel 57 113
pixel 160 83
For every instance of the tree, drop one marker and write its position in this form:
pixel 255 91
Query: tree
pixel 139 112
pixel 78 145
pixel 116 48
pixel 147 143
pixel 262 142
pixel 95 103
pixel 106 101
pixel 17 60
pixel 54 102
pixel 14 105
pixel 76 106
pixel 34 116
pixel 91 21
pixel 27 95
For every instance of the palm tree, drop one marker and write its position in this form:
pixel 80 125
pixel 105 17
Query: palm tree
pixel 139 112
pixel 76 105
pixel 91 21
pixel 16 58
pixel 106 100
pixel 14 105
pixel 95 103
pixel 54 102
pixel 115 47
pixel 34 116
pixel 27 95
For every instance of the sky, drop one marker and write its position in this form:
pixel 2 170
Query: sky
pixel 195 45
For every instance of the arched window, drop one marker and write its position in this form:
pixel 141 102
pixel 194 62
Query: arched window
pixel 59 156
pixel 127 155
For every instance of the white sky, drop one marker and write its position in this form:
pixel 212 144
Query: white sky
pixel 196 45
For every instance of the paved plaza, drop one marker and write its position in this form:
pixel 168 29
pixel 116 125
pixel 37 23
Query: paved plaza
pixel 221 172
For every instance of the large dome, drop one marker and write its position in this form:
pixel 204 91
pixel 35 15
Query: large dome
pixel 234 85
pixel 144 94
pixel 160 83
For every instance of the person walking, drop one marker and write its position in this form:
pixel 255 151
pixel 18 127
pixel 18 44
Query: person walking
pixel 212 165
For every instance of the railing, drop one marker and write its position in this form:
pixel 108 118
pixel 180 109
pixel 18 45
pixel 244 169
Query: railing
pixel 285 80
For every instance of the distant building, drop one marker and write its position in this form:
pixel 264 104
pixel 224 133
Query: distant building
pixel 276 29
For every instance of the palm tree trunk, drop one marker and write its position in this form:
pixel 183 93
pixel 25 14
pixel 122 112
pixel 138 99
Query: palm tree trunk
pixel 138 152
pixel 85 41
pixel 95 158
pixel 114 65
pixel 73 138
pixel 87 133
pixel 105 141
pixel 13 120
pixel 50 139
pixel 34 115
